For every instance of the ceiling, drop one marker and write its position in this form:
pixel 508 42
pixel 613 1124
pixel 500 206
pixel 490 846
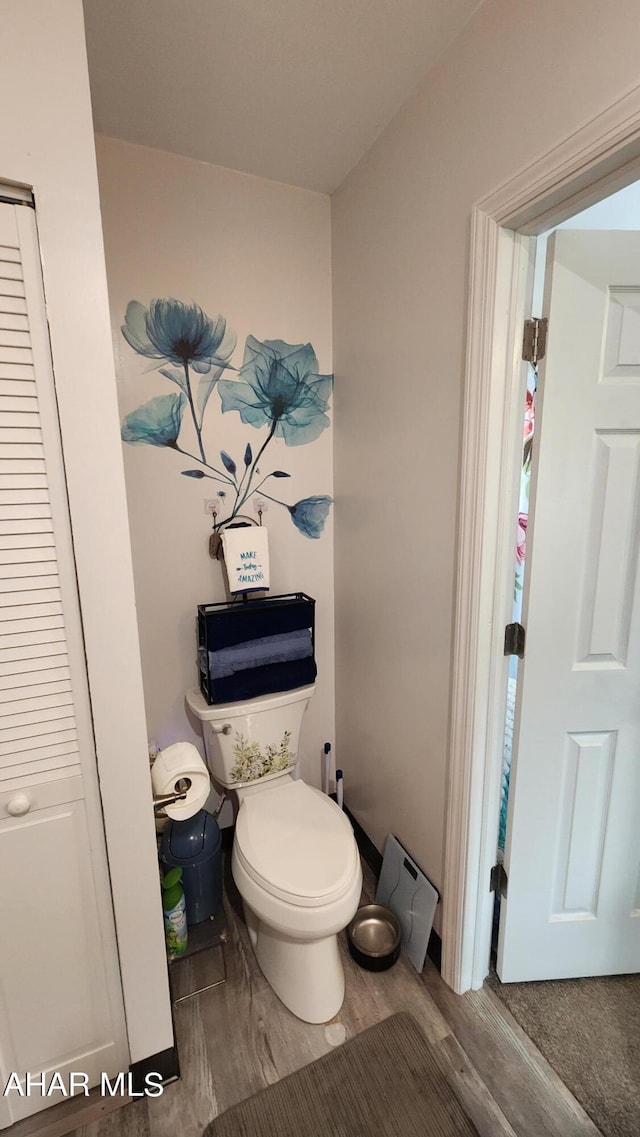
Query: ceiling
pixel 295 90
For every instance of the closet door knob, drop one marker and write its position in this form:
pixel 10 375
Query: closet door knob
pixel 19 805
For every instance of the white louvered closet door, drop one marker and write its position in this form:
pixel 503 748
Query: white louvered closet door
pixel 60 995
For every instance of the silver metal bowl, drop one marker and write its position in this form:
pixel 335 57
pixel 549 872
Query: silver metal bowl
pixel 374 937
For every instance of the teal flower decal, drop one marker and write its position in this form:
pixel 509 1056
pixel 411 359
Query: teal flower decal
pixel 279 387
pixel 310 514
pixel 156 423
pixel 184 336
pixel 178 333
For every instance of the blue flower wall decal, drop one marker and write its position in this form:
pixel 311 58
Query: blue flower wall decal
pixel 177 333
pixel 310 514
pixel 278 388
pixel 157 423
pixel 172 332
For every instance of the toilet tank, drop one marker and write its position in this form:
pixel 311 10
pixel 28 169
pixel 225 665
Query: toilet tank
pixel 254 741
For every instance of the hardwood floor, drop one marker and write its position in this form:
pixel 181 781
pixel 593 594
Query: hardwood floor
pixel 237 1038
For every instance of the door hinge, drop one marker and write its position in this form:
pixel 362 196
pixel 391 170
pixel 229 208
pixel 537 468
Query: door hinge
pixel 514 637
pixel 534 340
pixel 498 880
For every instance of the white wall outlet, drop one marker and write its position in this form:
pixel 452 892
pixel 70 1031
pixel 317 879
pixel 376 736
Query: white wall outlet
pixel 260 505
pixel 212 505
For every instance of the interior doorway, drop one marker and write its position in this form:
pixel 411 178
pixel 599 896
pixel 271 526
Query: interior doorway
pixel 591 164
pixel 585 548
pixel 572 857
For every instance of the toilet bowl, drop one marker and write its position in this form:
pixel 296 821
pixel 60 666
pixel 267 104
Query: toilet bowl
pixel 295 861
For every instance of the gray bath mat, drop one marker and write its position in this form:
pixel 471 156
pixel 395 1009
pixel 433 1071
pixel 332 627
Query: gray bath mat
pixel 385 1082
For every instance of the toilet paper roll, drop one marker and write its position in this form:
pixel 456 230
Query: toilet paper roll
pixel 181 760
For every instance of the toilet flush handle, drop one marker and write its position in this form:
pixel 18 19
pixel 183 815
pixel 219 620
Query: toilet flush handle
pixel 224 729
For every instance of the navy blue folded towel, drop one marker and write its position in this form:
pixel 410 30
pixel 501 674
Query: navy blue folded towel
pixel 260 652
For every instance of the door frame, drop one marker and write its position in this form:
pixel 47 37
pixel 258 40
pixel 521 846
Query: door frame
pixel 596 160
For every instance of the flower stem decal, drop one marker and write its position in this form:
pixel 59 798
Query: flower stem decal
pixel 278 389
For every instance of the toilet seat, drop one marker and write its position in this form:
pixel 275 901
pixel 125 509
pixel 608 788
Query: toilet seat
pixel 296 844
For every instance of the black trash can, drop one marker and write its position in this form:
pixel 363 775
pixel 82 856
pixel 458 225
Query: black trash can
pixel 196 846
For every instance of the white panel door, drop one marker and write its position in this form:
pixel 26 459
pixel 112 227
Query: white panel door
pixel 573 839
pixel 61 1003
pixel 54 992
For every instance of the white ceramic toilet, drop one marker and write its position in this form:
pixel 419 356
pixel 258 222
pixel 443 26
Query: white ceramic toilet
pixel 295 860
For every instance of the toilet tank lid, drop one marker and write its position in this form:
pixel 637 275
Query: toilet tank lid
pixel 297 842
pixel 213 712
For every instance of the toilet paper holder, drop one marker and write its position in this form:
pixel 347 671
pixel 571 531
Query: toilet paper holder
pixel 182 787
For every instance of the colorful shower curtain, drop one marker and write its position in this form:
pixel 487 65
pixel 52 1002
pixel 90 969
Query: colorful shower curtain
pixel 521 542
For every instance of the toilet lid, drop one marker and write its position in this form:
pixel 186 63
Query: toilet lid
pixel 296 843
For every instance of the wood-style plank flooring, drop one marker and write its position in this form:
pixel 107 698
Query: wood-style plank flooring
pixel 237 1038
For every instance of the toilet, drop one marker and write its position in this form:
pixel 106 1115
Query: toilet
pixel 295 860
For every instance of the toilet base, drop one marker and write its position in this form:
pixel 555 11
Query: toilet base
pixel 306 975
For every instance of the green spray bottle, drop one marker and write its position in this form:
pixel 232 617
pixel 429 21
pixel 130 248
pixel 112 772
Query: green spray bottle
pixel 175 913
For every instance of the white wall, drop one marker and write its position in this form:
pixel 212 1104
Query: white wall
pixel 620 210
pixel 46 141
pixel 259 253
pixel 520 77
